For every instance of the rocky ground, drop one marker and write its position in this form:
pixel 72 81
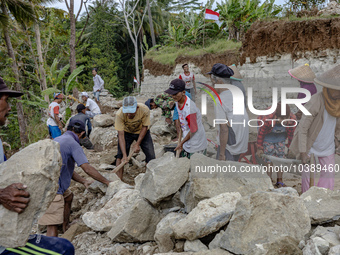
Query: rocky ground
pixel 169 208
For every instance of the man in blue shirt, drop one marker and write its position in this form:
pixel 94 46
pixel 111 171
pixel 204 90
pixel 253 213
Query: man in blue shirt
pixel 71 153
pixel 15 198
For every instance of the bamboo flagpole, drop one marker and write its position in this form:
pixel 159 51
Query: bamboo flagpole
pixel 204 22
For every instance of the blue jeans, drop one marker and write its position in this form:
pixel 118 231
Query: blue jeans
pixel 96 95
pixel 54 131
pixel 39 244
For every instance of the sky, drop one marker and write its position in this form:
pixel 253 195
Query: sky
pixel 62 5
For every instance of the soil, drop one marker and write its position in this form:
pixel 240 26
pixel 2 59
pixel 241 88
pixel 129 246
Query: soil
pixel 294 37
pixel 204 62
pixel 267 38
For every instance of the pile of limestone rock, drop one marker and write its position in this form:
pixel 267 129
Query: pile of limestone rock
pixel 175 208
pixel 333 8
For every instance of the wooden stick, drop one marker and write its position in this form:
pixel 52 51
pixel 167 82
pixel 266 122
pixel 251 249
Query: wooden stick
pixel 128 159
pixel 311 174
pixel 178 142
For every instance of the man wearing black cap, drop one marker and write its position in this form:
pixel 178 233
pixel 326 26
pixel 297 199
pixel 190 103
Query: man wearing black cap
pixel 81 109
pixel 71 152
pixel 194 139
pixel 220 74
pixel 15 197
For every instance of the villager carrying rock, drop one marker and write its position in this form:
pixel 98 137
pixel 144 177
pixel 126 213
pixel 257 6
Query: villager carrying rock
pixel 132 123
pixel 317 133
pixel 194 138
pixel 71 152
pixel 165 102
pixel 16 198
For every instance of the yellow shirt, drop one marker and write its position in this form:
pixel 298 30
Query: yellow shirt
pixel 134 126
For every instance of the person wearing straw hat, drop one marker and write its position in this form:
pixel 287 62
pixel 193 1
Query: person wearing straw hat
pixel 53 122
pixel 317 133
pixel 305 75
pixel 236 80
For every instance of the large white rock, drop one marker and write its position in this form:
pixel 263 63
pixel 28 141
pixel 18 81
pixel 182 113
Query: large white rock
pixel 164 176
pixel 203 185
pixel 137 224
pixel 38 167
pixel 255 221
pixel 330 234
pixel 162 129
pixel 284 245
pixel 203 252
pixel 104 138
pixel 104 219
pixel 335 250
pixel 103 120
pixel 208 217
pixel 164 235
pixel 194 246
pixel 322 204
pixel 311 248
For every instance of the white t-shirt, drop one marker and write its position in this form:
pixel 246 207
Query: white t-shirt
pixel 225 111
pixel 92 105
pixel 190 117
pixel 98 83
pixel 324 145
pixel 53 110
pixel 188 79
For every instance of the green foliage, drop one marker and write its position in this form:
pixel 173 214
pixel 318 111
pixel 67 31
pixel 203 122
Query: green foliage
pixel 238 15
pixel 71 82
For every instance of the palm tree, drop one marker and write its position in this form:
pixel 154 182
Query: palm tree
pixel 21 11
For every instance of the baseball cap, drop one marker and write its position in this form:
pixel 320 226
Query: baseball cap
pixel 80 107
pixel 58 96
pixel 221 70
pixel 77 124
pixel 5 89
pixel 129 104
pixel 176 85
pixel 84 94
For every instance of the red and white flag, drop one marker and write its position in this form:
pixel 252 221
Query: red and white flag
pixel 135 80
pixel 209 14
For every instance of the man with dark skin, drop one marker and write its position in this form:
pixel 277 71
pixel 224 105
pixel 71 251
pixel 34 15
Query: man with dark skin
pixel 132 123
pixel 71 152
pixel 15 197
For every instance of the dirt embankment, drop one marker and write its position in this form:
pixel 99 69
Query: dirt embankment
pixel 267 39
pixel 292 37
pixel 205 62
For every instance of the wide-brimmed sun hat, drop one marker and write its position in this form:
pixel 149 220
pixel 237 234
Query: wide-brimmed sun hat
pixel 237 75
pixel 329 79
pixel 303 73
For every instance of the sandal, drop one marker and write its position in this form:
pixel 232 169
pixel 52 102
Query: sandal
pixel 277 185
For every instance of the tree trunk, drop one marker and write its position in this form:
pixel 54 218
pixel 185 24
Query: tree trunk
pixel 73 64
pixel 42 76
pixel 152 31
pixel 20 111
pixel 136 65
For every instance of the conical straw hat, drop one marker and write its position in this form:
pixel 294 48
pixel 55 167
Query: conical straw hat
pixel 329 79
pixel 237 76
pixel 303 73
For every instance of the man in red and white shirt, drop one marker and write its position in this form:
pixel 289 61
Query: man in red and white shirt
pixel 53 122
pixel 194 139
pixel 189 79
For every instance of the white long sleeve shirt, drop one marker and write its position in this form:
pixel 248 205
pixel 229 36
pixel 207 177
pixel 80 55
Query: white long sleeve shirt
pixel 98 83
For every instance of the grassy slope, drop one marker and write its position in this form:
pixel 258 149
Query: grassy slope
pixel 168 54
